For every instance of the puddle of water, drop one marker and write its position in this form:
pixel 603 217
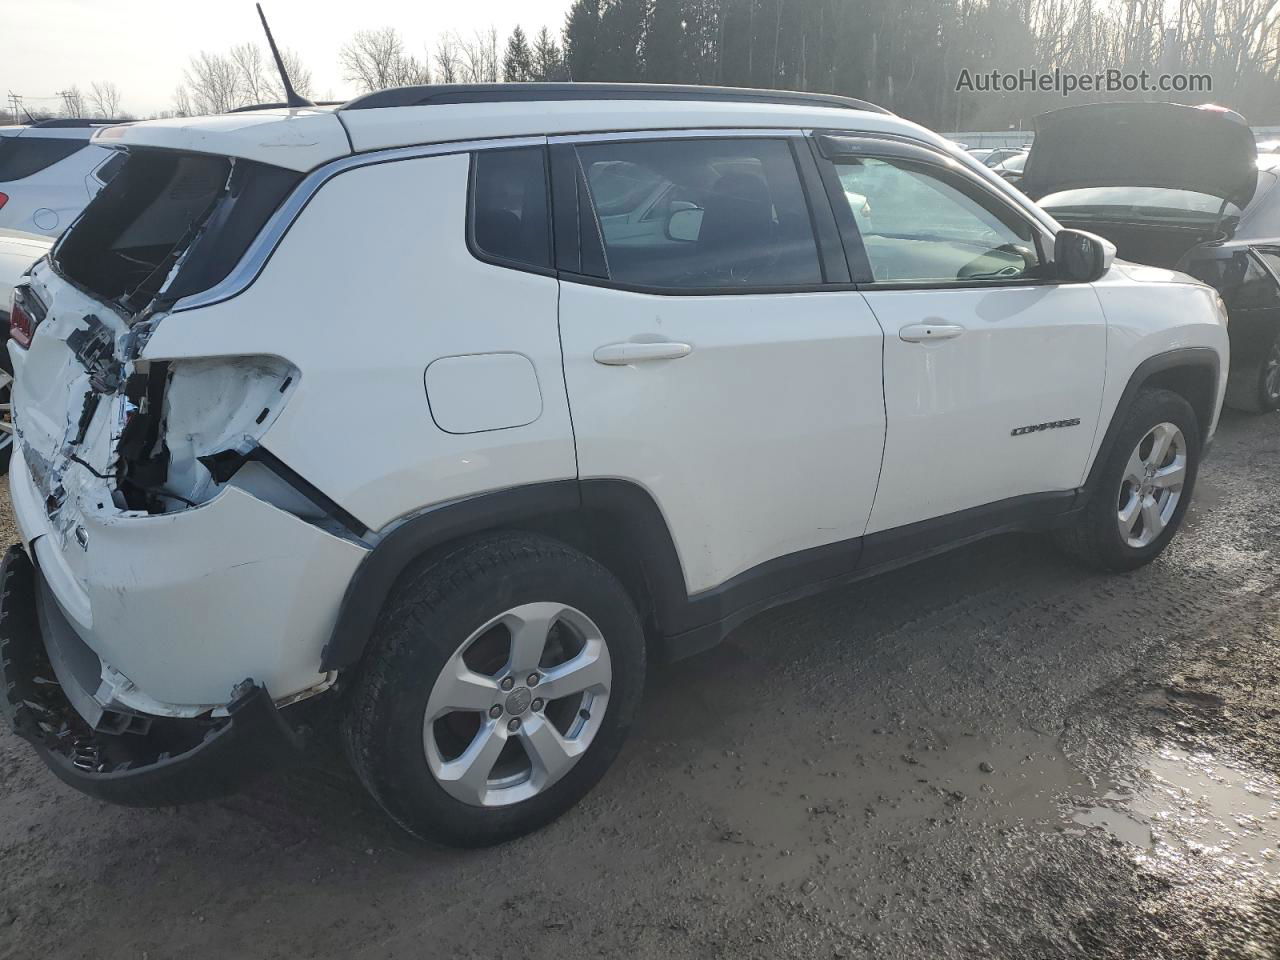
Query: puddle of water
pixel 1186 806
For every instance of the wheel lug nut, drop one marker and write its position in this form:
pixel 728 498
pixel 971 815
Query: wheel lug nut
pixel 537 705
pixel 495 711
pixel 513 724
pixel 533 679
pixel 507 683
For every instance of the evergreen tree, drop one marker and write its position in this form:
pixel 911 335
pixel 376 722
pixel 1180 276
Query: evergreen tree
pixel 663 39
pixel 517 64
pixel 621 32
pixel 582 40
pixel 548 61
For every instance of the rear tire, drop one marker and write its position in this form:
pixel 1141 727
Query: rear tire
pixel 1256 388
pixel 445 724
pixel 1143 488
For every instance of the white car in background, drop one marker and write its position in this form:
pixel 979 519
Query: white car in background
pixel 49 171
pixel 18 251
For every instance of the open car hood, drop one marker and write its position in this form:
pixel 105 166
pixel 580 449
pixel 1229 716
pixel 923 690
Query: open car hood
pixel 1203 149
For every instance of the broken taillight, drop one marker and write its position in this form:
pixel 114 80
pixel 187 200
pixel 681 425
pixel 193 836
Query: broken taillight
pixel 21 326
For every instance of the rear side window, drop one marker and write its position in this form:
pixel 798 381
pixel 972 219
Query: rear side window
pixel 509 219
pixel 23 156
pixel 701 214
pixel 161 205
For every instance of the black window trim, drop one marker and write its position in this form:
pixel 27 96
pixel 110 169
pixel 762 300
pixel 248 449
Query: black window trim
pixel 826 240
pixel 470 230
pixel 829 146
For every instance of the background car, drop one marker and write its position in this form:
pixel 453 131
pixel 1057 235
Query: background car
pixel 1179 187
pixel 18 251
pixel 1011 167
pixel 991 156
pixel 49 171
pixel 1269 146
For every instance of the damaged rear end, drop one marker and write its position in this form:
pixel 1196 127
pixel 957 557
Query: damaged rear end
pixel 176 583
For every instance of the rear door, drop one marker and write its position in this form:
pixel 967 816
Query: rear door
pixel 993 371
pixel 706 357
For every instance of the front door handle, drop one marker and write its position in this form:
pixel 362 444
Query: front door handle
pixel 622 354
pixel 920 332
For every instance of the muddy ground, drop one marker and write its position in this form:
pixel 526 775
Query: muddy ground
pixel 991 754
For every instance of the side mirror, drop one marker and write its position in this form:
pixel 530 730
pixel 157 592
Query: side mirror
pixel 684 225
pixel 1081 257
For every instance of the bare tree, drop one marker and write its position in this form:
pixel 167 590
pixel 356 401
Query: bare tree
pixel 72 102
pixel 377 59
pixel 104 97
pixel 254 82
pixel 448 63
pixel 299 75
pixel 259 78
pixel 213 83
pixel 480 57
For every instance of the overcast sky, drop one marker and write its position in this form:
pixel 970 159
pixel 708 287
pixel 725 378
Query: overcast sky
pixel 143 45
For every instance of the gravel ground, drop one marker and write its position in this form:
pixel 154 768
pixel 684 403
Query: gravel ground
pixel 991 754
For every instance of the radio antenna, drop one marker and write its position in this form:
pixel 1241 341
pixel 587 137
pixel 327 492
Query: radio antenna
pixel 291 97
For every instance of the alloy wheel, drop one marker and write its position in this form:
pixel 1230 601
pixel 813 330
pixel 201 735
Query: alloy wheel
pixel 517 704
pixel 1152 485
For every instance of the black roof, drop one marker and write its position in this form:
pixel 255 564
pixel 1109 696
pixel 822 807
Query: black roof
pixel 57 122
pixel 523 92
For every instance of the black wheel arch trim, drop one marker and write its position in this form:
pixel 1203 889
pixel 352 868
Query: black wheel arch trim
pixel 683 624
pixel 1181 357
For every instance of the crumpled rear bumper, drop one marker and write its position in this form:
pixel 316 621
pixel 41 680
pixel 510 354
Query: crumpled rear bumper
pixel 160 761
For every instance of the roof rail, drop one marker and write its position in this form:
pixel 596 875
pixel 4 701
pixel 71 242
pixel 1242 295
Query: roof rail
pixel 433 94
pixel 280 106
pixel 56 122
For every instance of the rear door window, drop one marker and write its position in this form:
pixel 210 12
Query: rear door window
pixel 23 156
pixel 701 214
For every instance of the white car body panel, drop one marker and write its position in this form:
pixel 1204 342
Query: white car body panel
pixel 18 251
pixel 1151 311
pixel 763 441
pixel 1028 355
pixel 161 613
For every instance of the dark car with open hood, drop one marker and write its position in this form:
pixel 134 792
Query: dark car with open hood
pixel 1180 187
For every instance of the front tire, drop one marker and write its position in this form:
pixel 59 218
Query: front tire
pixel 498 687
pixel 1144 486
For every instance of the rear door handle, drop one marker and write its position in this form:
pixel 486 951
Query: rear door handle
pixel 920 332
pixel 621 354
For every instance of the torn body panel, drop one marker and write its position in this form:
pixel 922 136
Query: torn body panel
pixel 182 603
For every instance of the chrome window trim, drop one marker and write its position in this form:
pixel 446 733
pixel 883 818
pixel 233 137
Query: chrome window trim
pixel 679 133
pixel 259 252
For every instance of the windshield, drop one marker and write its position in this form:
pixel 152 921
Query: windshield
pixel 1147 203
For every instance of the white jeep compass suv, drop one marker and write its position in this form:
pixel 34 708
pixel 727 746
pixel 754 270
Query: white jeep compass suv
pixel 464 402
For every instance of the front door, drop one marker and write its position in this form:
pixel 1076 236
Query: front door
pixel 993 372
